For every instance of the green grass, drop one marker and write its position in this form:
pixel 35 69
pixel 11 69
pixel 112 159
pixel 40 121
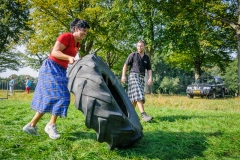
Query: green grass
pixel 182 129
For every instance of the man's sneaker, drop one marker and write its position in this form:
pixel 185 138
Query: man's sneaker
pixel 30 130
pixel 51 130
pixel 145 117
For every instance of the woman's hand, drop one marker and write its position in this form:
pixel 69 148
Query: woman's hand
pixel 71 60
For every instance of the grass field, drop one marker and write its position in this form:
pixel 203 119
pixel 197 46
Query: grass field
pixel 182 129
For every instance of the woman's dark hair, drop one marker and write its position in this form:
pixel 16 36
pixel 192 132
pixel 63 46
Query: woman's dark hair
pixel 78 23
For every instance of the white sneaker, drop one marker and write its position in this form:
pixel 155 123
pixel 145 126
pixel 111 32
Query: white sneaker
pixel 51 130
pixel 30 130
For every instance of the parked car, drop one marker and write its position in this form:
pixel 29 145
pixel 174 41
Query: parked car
pixel 207 86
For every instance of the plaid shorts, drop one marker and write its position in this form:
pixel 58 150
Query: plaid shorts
pixel 136 87
pixel 51 94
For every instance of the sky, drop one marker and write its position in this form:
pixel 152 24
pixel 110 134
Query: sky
pixel 22 71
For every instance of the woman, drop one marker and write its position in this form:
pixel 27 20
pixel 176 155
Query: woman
pixel 51 94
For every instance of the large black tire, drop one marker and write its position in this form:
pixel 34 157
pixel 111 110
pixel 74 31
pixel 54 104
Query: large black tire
pixel 104 103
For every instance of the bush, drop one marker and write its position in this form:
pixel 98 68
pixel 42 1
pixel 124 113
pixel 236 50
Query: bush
pixel 169 85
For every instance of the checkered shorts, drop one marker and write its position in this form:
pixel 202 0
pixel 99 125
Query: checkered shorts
pixel 136 87
pixel 51 94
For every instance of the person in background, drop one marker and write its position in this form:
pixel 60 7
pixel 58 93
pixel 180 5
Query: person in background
pixel 51 94
pixel 11 85
pixel 28 84
pixel 138 62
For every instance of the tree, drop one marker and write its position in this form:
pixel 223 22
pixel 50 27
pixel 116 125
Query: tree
pixel 20 81
pixel 179 30
pixel 170 85
pixel 104 36
pixel 144 20
pixel 231 77
pixel 13 21
pixel 163 70
pixel 194 42
pixel 225 13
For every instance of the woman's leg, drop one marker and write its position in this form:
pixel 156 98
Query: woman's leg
pixel 51 128
pixel 53 120
pixel 36 118
pixel 31 128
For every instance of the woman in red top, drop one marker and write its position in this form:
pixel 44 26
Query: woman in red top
pixel 51 94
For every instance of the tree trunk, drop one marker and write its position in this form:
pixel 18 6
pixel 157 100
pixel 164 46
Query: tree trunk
pixel 238 55
pixel 197 73
pixel 147 88
pixel 237 29
pixel 197 69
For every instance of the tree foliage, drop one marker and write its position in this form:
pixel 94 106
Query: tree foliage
pixel 231 77
pixel 20 82
pixel 52 17
pixel 170 85
pixel 225 14
pixel 161 70
pixel 14 16
pixel 193 36
pixel 194 41
pixel 180 29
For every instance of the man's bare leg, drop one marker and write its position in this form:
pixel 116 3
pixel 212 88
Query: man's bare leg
pixel 134 104
pixel 145 117
pixel 140 106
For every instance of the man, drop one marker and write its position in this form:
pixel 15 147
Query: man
pixel 138 62
pixel 11 85
pixel 28 85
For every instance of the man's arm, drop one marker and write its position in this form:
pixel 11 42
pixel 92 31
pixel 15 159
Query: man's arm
pixel 124 70
pixel 149 77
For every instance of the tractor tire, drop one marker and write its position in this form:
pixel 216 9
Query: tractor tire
pixel 104 103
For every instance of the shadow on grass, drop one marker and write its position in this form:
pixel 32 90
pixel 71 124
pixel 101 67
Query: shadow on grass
pixel 171 118
pixel 160 144
pixel 169 145
pixel 175 118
